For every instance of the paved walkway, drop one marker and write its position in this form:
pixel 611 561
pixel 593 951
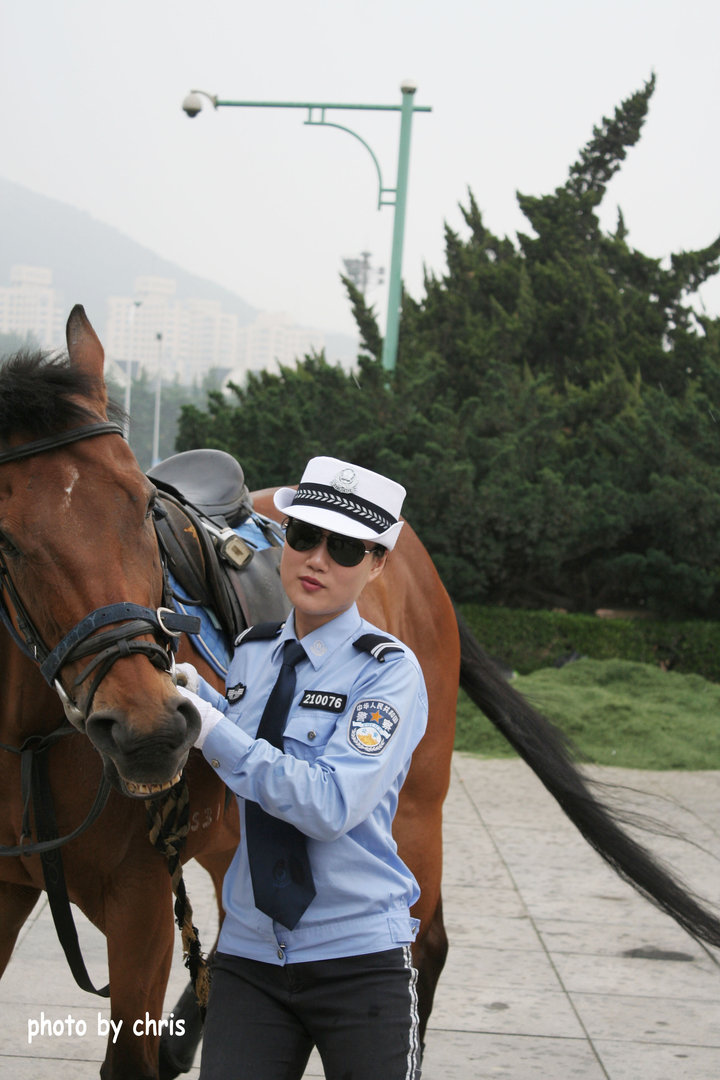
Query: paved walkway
pixel 557 970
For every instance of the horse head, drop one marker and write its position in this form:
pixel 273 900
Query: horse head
pixel 83 585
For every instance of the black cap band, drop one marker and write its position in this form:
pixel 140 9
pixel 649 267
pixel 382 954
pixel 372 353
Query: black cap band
pixel 360 510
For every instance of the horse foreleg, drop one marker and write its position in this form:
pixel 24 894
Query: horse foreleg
pixel 16 903
pixel 429 955
pixel 140 934
pixel 418 831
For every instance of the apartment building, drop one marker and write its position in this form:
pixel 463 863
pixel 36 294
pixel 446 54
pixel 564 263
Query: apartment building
pixel 31 307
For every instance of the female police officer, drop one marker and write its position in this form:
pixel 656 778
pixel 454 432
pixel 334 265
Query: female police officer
pixel 315 945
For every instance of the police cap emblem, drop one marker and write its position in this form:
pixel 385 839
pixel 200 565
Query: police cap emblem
pixel 346 480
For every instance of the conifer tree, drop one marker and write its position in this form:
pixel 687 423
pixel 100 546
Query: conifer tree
pixel 554 413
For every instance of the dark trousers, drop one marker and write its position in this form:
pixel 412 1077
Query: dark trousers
pixel 360 1011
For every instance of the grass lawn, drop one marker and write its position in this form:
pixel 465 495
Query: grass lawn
pixel 616 713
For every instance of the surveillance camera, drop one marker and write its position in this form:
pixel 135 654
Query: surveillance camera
pixel 192 105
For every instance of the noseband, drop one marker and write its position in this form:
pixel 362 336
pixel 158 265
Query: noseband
pixel 88 637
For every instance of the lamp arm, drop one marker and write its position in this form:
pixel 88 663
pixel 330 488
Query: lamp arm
pixel 328 123
pixel 212 98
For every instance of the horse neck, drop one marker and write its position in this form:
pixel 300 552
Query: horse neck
pixel 27 704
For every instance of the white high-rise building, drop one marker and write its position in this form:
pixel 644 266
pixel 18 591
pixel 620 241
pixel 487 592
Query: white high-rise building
pixel 273 339
pixel 189 338
pixel 134 323
pixel 206 338
pixel 30 305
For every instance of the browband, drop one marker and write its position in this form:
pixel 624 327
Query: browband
pixel 54 441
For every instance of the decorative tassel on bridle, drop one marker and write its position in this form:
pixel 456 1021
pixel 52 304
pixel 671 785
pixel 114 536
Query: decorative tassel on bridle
pixel 168 828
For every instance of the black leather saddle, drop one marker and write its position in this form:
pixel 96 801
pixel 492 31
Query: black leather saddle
pixel 204 498
pixel 211 480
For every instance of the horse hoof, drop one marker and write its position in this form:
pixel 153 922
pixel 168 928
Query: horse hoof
pixel 177 1052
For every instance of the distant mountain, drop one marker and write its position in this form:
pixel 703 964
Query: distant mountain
pixel 91 261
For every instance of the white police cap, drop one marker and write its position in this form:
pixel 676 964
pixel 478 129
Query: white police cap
pixel 347 499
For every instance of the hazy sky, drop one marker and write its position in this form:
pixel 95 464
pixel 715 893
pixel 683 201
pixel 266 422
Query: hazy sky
pixel 255 200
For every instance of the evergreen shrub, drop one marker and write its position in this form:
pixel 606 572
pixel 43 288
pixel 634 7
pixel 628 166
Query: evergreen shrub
pixel 526 640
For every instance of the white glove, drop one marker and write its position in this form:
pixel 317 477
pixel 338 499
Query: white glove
pixel 209 716
pixel 186 675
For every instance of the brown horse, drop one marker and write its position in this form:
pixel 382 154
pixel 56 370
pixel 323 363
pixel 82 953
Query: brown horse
pixel 77 537
pixel 82 577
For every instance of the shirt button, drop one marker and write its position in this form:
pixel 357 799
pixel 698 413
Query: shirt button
pixel 312 734
pixel 215 763
pixel 281 954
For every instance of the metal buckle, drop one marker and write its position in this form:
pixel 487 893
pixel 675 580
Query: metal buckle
pixel 162 611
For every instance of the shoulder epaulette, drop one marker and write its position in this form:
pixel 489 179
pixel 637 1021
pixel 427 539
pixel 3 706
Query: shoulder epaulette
pixel 377 645
pixel 262 631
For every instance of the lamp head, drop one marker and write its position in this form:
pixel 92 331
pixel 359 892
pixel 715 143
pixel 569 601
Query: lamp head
pixel 192 104
pixel 408 86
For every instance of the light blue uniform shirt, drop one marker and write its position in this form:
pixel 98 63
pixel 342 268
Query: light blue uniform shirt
pixel 349 738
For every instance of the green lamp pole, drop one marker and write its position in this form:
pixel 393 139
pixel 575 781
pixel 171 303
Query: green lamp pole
pixel 387 196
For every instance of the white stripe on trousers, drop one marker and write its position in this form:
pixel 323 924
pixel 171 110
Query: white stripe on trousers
pixel 413 1060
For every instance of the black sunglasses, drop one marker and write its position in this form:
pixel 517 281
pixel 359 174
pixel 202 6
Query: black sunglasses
pixel 343 550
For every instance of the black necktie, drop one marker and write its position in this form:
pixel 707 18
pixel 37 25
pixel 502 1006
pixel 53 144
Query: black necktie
pixel 277 852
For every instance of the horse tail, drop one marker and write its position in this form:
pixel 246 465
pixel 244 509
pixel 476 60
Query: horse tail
pixel 550 755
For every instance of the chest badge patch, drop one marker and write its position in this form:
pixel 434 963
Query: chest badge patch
pixel 372 726
pixel 235 693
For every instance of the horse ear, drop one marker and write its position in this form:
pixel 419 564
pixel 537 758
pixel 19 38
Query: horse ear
pixel 86 353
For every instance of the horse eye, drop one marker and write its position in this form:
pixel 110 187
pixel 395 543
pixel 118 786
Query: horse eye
pixel 155 508
pixel 151 503
pixel 6 545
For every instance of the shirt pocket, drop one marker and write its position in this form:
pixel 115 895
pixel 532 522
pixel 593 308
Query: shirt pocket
pixel 308 732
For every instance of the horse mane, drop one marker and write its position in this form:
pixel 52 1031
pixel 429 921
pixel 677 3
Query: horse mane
pixel 39 395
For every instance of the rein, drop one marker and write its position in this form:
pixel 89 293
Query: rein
pixel 29 753
pixel 35 781
pixel 168 827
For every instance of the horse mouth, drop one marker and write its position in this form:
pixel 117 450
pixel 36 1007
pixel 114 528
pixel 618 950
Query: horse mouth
pixel 149 791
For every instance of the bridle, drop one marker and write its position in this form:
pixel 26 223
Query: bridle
pixel 126 621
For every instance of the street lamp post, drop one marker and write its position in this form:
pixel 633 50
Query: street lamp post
pixel 158 392
pixel 396 197
pixel 135 304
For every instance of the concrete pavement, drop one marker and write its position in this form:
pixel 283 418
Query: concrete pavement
pixel 557 969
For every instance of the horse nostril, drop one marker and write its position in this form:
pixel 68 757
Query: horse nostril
pixel 101 729
pixel 191 717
